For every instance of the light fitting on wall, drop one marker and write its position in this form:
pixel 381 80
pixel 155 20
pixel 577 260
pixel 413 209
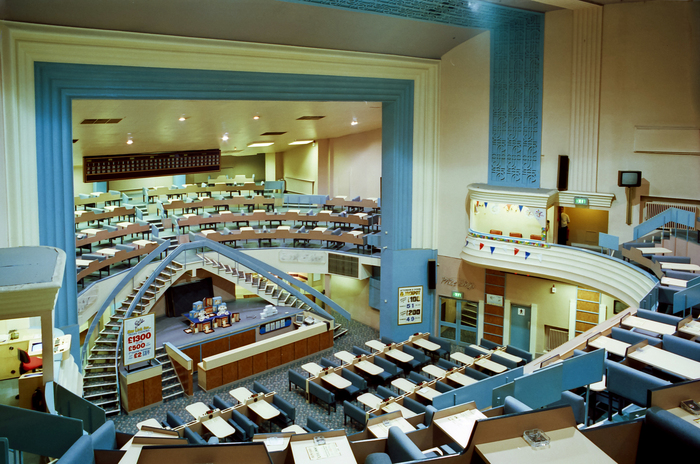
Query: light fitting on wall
pixel 354 122
pixel 129 139
pixel 182 118
pixel 224 137
pixel 553 289
pixel 260 144
pixel 301 142
pixel 256 117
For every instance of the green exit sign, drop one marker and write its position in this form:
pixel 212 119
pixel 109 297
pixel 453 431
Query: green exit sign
pixel 457 295
pixel 581 201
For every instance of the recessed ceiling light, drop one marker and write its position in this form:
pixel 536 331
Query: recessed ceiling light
pixel 354 122
pixel 256 117
pixel 300 142
pixel 129 139
pixel 182 118
pixel 224 137
pixel 260 144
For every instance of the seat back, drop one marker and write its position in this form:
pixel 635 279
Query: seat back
pixel 658 317
pixel 321 393
pixel 400 448
pixel 414 405
pixel 682 347
pixel 245 423
pixel 443 387
pixel 526 355
pixel 474 374
pixel 576 402
pixel 445 364
pixel 488 344
pixel 173 420
pixel 325 362
pixel 630 383
pixel 387 365
pixel 297 379
pixel 384 392
pixel 285 406
pixel 386 340
pixel 356 350
pixel 193 437
pixel 474 353
pixel 105 437
pixel 666 438
pixel 260 388
pixel 513 405
pixel 632 337
pixel 509 363
pixel 417 354
pixel 356 413
pixel 314 425
pixel 417 378
pixel 356 380
pixel 221 403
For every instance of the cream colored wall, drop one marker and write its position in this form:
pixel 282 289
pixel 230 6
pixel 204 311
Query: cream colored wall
pixel 353 295
pixel 464 137
pixel 138 184
pixel 356 164
pixel 270 166
pixel 497 216
pixel 302 163
pixel 556 96
pixel 78 185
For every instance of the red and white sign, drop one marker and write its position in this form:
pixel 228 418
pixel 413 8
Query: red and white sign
pixel 139 339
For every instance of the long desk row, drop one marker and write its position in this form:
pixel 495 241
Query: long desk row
pixel 223 187
pixel 88 264
pixel 86 237
pixel 217 204
pixel 98 197
pixel 106 213
pixel 286 233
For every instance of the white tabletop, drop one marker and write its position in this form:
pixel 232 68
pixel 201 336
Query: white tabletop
pixel 345 356
pixel 336 450
pixel 674 282
pixel 381 429
pixel 241 394
pixel 567 445
pixel 503 354
pixel 375 344
pixel 272 442
pixel 107 251
pixel 648 324
pixel 491 366
pixel 425 344
pixel 124 225
pixel 368 367
pixel 219 427
pixel 399 355
pixel 92 231
pixel 336 381
pixel 459 426
pixel 428 393
pixel 208 231
pixel 435 371
pixel 83 262
pixel 110 208
pixel 370 400
pixel 680 267
pixel 294 428
pixel 263 409
pixel 462 358
pixel 611 345
pixel 480 349
pixel 665 360
pixel 692 328
pixel 197 409
pixel 686 416
pixel 143 243
pixel 405 412
pixel 654 250
pixel 404 385
pixel 312 368
pixel 461 379
pixel 150 423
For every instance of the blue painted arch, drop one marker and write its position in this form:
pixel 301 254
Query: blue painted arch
pixel 57 85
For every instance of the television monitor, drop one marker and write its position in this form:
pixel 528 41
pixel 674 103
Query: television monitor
pixel 299 318
pixel 629 178
pixel 36 346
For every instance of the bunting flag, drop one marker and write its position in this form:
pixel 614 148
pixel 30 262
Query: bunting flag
pixel 527 254
pixel 516 251
pixel 520 208
pixel 477 202
pixel 486 204
pixel 481 245
pixel 466 244
pixel 493 248
pixel 539 257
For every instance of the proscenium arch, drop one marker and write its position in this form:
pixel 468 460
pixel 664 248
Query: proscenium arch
pixel 58 84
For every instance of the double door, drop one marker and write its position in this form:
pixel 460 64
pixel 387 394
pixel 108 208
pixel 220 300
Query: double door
pixel 458 320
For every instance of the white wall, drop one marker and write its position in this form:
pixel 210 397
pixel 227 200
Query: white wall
pixel 302 163
pixel 353 295
pixel 464 137
pixel 355 164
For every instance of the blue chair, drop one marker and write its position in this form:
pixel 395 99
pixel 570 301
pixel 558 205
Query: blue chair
pixel 509 363
pixel 325 362
pixel 288 413
pixel 356 350
pixel 260 388
pixel 385 393
pixel 419 360
pixel 391 371
pixel 513 405
pixel 474 374
pixel 173 420
pixel 417 378
pixel 445 364
pixel 400 448
pixel 220 403
pixel 80 452
pixel 659 317
pixel 666 438
pixel 359 385
pixel 193 438
pixel 443 387
pixel 445 346
pixel 576 402
pixel 630 384
pixel 356 414
pixel 682 347
pixel 240 434
pixel 414 405
pixel 632 337
pixel 317 392
pixel 298 380
pixel 474 353
pixel 488 344
pixel 312 425
pixel 249 427
pixel 526 355
pixel 387 341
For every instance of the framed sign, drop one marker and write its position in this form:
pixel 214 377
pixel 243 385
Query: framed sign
pixel 495 300
pixel 139 339
pixel 410 305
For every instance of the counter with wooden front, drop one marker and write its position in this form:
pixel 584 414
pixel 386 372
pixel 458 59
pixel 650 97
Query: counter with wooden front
pixel 229 366
pixel 141 388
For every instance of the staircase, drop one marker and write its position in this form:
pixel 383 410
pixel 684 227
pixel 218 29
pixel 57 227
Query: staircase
pixel 170 382
pixel 257 284
pixel 100 380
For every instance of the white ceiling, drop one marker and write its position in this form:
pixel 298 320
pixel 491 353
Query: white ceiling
pixel 154 125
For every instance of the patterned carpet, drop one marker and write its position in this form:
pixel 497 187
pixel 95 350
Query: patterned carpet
pixel 275 379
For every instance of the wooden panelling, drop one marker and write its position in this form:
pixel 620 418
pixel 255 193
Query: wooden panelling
pixel 235 341
pixel 229 373
pixel 183 376
pixel 273 358
pixel 134 392
pixel 300 349
pixel 495 310
pixel 312 344
pixel 495 272
pixel 245 368
pixel 215 378
pixel 493 329
pixel 588 295
pixel 587 306
pixel 193 353
pixel 495 290
pixel 287 354
pixel 588 317
pixel 325 340
pixel 583 326
pixel 152 390
pixel 495 280
pixel 248 337
pixel 259 363
pixel 491 319
pixel 215 347
pixel 493 338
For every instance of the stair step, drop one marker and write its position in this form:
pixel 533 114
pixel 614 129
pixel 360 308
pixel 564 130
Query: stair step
pixel 100 393
pixel 100 382
pixel 99 375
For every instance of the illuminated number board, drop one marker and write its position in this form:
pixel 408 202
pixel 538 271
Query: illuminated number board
pixel 134 166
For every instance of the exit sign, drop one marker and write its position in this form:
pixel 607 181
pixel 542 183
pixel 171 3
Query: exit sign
pixel 581 201
pixel 457 295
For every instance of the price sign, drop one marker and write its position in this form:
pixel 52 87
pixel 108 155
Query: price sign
pixel 139 339
pixel 410 305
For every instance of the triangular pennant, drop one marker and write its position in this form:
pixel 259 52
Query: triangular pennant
pixel 539 257
pixel 520 208
pixel 466 244
pixel 516 250
pixel 486 204
pixel 481 245
pixel 492 249
pixel 527 254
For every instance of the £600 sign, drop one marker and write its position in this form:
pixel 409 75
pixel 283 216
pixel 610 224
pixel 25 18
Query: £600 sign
pixel 139 339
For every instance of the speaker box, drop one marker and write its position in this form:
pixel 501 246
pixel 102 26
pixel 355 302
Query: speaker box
pixel 432 274
pixel 563 174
